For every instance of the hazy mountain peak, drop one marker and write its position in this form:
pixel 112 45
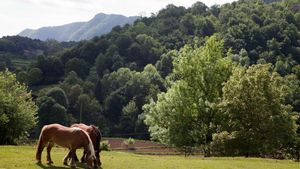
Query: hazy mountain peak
pixel 98 25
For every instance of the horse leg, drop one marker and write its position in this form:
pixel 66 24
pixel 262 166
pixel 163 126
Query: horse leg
pixel 98 161
pixel 75 156
pixel 83 156
pixel 73 162
pixel 67 157
pixel 49 147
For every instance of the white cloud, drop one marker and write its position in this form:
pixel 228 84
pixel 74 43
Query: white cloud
pixel 16 15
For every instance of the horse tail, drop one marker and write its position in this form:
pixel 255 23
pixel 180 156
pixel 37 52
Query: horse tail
pixel 98 135
pixel 40 146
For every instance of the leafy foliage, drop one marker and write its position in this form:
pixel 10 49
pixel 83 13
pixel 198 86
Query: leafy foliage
pixel 17 112
pixel 59 96
pixel 124 92
pixel 184 116
pixel 34 76
pixel 51 112
pixel 257 120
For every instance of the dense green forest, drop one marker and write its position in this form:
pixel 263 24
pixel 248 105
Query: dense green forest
pixel 140 73
pixel 17 52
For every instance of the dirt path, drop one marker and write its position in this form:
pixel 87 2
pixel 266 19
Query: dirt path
pixel 140 147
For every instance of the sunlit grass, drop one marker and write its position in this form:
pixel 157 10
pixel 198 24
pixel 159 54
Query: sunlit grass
pixel 13 157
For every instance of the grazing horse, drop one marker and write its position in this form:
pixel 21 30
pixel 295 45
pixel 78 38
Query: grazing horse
pixel 71 138
pixel 95 136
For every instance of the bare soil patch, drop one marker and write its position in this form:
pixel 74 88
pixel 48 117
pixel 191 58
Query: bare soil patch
pixel 140 147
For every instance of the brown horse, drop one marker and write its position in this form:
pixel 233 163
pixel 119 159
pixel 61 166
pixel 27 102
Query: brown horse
pixel 95 136
pixel 71 138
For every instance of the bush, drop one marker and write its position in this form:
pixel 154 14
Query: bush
pixel 105 146
pixel 220 146
pixel 129 143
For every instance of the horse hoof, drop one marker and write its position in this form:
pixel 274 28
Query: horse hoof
pixel 65 163
pixel 39 162
pixel 50 162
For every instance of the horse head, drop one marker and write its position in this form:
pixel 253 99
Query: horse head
pixel 90 160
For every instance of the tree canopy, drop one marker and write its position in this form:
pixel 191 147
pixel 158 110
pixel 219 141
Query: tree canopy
pixel 257 120
pixel 184 116
pixel 17 112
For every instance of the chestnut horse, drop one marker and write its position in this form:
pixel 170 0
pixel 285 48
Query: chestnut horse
pixel 95 136
pixel 71 138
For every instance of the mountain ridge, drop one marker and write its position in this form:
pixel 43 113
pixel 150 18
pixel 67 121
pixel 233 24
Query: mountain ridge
pixel 100 24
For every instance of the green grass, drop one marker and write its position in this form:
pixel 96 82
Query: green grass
pixel 13 157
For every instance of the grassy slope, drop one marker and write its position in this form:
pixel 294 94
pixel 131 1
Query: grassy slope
pixel 23 157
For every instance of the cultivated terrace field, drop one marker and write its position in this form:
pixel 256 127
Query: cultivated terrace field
pixel 16 157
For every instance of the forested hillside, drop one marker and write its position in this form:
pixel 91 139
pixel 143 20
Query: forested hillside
pixel 17 52
pixel 115 81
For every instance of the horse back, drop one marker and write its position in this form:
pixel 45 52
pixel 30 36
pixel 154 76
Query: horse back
pixel 65 136
pixel 93 132
pixel 81 125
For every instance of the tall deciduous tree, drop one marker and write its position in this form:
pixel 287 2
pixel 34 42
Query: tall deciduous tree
pixel 59 96
pixel 22 77
pixel 257 120
pixel 184 116
pixel 79 66
pixel 35 76
pixel 17 110
pixel 51 112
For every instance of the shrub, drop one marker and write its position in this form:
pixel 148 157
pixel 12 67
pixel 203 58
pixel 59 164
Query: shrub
pixel 129 142
pixel 105 146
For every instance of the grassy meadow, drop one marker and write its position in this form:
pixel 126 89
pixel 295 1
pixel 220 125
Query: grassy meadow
pixel 16 157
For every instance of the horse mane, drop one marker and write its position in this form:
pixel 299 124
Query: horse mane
pixel 90 145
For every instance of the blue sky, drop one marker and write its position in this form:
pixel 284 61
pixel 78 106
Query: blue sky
pixel 16 15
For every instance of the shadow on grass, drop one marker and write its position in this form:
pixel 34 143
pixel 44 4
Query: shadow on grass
pixel 49 166
pixel 81 165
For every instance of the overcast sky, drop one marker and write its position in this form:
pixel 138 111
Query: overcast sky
pixel 16 15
